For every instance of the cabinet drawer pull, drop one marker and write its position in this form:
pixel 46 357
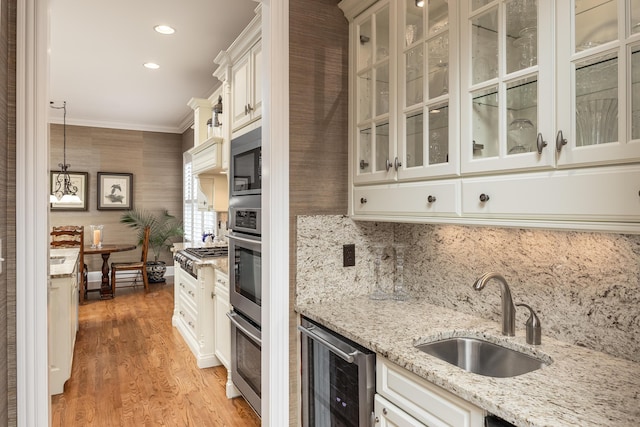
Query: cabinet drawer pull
pixel 484 197
pixel 540 143
pixel 249 108
pixel 245 110
pixel 397 164
pixel 560 141
pixel 191 324
pixel 192 294
pixel 181 313
pixel 431 199
pixel 388 165
pixel 363 200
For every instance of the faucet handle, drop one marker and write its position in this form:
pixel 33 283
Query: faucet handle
pixel 533 326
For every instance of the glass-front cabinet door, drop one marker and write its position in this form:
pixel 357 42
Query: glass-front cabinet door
pixel 506 85
pixel 598 90
pixel 428 137
pixel 374 51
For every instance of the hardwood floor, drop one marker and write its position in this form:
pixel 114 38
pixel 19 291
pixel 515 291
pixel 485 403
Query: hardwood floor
pixel 132 368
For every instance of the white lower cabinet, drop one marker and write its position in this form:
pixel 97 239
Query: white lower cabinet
pixel 193 314
pixel 412 401
pixel 389 415
pixel 63 326
pixel 223 329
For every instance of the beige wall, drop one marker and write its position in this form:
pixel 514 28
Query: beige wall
pixel 154 159
pixel 318 150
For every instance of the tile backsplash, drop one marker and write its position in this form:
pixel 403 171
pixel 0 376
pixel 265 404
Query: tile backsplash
pixel 584 286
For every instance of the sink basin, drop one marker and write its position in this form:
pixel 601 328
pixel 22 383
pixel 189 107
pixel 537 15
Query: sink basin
pixel 56 260
pixel 482 357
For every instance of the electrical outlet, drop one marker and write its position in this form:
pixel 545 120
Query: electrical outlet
pixel 348 255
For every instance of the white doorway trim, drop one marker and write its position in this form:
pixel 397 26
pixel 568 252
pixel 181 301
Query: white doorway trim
pixel 275 214
pixel 32 184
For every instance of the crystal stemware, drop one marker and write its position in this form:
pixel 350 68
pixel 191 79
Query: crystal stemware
pixel 399 293
pixel 377 293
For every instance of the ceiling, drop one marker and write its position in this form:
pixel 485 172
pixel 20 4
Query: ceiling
pixel 97 51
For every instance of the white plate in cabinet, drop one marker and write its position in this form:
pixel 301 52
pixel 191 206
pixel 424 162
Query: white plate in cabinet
pixel 591 194
pixel 435 198
pixel 389 415
pixel 426 402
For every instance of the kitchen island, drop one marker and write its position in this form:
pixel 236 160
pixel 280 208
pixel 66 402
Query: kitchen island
pixel 580 387
pixel 63 314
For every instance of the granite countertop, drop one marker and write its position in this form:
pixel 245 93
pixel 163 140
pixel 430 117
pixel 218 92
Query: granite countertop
pixel 581 387
pixel 65 268
pixel 219 263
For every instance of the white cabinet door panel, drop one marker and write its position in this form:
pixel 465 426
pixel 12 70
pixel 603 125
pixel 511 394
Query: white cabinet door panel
pixel 409 199
pixel 594 194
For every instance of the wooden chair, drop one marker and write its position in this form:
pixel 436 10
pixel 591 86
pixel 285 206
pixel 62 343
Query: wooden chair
pixel 72 236
pixel 140 266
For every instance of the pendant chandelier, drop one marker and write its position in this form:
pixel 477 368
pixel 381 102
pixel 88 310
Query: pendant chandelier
pixel 63 190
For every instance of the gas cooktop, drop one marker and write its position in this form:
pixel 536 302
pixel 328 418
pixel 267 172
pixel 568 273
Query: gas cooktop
pixel 208 252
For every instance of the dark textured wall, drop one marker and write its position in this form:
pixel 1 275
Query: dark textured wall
pixel 318 153
pixel 154 159
pixel 8 409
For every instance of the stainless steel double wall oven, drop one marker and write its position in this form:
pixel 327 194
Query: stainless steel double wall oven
pixel 245 264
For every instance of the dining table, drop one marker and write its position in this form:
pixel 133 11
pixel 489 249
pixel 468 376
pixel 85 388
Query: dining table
pixel 106 290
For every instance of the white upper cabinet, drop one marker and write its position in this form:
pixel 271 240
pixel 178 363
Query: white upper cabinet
pixel 246 88
pixel 496 112
pixel 506 86
pixel 403 117
pixel 598 88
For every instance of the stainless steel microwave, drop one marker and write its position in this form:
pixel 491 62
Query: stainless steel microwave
pixel 246 164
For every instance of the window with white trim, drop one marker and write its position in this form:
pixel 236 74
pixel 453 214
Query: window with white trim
pixel 196 222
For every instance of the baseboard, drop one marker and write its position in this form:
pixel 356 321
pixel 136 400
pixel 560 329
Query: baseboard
pixel 95 277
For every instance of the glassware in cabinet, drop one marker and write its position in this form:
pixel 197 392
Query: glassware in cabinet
pixel 598 91
pixel 503 80
pixel 428 89
pixel 373 47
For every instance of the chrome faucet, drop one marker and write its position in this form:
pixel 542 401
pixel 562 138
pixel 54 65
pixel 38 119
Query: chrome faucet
pixel 508 309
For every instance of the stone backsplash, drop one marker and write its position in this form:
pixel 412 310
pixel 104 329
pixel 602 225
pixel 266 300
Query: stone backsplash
pixel 584 286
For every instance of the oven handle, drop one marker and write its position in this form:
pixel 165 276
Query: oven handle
pixel 347 357
pixel 232 316
pixel 243 239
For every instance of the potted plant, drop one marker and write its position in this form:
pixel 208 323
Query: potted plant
pixel 164 229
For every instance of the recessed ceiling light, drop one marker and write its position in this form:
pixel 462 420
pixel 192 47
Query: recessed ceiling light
pixel 151 65
pixel 164 29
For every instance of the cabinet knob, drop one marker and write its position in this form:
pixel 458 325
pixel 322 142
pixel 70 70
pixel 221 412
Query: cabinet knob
pixel 363 200
pixel 397 164
pixel 384 411
pixel 560 141
pixel 388 165
pixel 484 197
pixel 540 143
pixel 431 199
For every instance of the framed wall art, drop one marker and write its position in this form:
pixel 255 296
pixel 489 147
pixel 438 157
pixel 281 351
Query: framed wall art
pixel 79 183
pixel 115 191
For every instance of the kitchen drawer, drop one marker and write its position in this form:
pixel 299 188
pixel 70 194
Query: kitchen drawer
pixel 424 401
pixel 188 315
pixel 389 415
pixel 437 198
pixel 592 194
pixel 188 287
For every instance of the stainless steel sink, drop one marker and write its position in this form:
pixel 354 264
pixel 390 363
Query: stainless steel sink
pixel 55 260
pixel 482 357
